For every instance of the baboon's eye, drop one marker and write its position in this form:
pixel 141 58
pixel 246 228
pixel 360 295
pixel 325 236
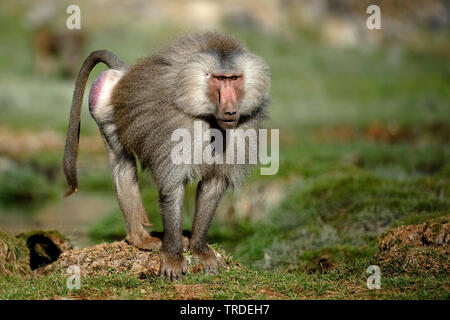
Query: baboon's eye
pixel 234 77
pixel 221 78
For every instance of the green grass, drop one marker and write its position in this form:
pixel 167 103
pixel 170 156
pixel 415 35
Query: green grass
pixel 25 188
pixel 341 208
pixel 243 283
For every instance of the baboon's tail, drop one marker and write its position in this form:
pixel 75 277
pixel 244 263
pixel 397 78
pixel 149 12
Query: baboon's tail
pixel 73 132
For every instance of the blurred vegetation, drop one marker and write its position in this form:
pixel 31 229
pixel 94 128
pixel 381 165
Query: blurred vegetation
pixel 24 188
pixel 364 147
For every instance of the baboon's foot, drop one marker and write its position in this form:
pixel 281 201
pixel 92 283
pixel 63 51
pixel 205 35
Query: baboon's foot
pixel 172 267
pixel 143 240
pixel 206 258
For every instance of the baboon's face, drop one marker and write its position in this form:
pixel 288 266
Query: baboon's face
pixel 225 91
pixel 228 89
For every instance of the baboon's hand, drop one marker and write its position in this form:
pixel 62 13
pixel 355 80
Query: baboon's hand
pixel 172 267
pixel 206 258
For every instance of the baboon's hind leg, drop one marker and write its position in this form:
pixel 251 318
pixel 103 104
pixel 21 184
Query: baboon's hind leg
pixel 124 172
pixel 122 163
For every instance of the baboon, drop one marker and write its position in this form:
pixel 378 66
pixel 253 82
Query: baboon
pixel 203 76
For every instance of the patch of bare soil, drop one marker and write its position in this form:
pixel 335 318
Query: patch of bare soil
pixel 271 294
pixel 422 248
pixel 107 258
pixel 24 142
pixel 389 133
pixel 375 131
pixel 192 291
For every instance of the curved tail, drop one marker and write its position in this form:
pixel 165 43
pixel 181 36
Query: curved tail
pixel 73 132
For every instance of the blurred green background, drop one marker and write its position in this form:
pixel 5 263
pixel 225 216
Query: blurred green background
pixel 364 119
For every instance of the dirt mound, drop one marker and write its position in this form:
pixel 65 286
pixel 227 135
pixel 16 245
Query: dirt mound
pixel 422 248
pixel 110 258
pixel 43 252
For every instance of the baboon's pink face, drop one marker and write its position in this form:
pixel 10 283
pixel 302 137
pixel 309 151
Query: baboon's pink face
pixel 225 90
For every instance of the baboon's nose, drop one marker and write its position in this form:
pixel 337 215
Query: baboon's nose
pixel 227 96
pixel 230 113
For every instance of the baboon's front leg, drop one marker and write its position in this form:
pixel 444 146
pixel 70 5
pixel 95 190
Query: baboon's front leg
pixel 123 167
pixel 209 193
pixel 172 260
